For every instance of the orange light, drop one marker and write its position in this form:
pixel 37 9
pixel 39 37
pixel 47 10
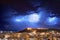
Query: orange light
pixel 29 28
pixel 34 32
pixel 43 33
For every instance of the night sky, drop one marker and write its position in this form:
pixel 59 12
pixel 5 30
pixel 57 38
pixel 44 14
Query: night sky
pixel 10 9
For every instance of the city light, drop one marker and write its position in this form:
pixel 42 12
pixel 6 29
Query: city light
pixel 29 28
pixel 34 32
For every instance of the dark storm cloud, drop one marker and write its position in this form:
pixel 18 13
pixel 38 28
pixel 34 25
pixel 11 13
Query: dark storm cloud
pixel 24 5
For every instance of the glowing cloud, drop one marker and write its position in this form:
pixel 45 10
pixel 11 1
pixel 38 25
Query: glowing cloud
pixel 52 21
pixel 33 18
pixel 18 20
